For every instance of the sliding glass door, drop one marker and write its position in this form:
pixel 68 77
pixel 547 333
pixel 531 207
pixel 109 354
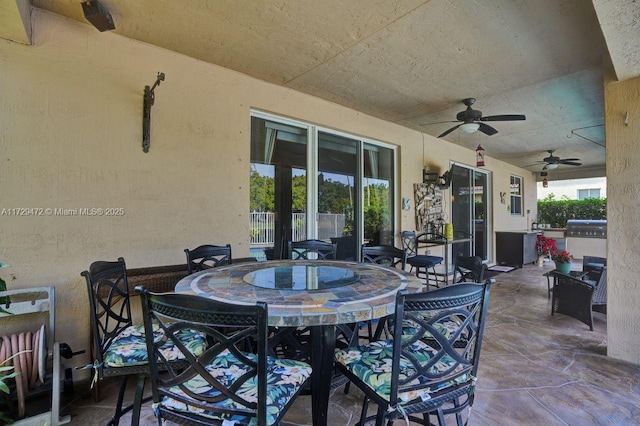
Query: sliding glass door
pixel 311 183
pixel 470 211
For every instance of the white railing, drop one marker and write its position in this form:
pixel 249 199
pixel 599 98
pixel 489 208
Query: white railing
pixel 262 226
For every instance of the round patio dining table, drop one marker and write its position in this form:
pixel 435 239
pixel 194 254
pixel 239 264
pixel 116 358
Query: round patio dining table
pixel 319 294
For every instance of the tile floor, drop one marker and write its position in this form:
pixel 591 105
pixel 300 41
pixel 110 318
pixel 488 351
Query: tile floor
pixel 535 369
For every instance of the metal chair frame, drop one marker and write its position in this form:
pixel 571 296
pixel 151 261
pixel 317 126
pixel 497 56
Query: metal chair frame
pixel 207 256
pixel 247 334
pixel 419 261
pixel 110 315
pixel 451 390
pixel 319 250
pixel 385 255
pixel 469 268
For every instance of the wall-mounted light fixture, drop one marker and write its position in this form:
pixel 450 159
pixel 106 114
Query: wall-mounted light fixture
pixel 149 99
pixel 441 182
pixel 98 15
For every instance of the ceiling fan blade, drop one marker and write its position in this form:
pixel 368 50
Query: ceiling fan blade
pixel 504 117
pixel 487 130
pixel 449 131
pixel 570 159
pixel 545 167
pixel 440 122
pixel 570 163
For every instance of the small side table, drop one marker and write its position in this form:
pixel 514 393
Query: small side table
pixel 555 273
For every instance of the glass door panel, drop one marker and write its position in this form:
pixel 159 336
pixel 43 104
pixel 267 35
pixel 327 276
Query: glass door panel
pixel 338 194
pixel 378 194
pixel 461 210
pixel 277 188
pixel 469 196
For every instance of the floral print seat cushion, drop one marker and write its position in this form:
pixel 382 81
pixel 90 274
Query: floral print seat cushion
pixel 371 363
pixel 446 326
pixel 130 348
pixel 284 380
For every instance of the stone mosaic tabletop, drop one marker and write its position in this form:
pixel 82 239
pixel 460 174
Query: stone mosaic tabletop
pixel 306 293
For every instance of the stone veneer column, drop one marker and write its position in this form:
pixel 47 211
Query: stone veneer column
pixel 622 100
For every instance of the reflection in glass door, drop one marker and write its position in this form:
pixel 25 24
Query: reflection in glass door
pixel 469 211
pixel 338 193
pixel 278 187
pixel 378 195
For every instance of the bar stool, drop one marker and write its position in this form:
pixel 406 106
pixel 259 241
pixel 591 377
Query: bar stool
pixel 424 264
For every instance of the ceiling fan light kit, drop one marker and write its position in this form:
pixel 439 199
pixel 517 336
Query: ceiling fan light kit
pixel 552 166
pixel 469 127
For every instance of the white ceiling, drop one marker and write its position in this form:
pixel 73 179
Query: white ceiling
pixel 411 61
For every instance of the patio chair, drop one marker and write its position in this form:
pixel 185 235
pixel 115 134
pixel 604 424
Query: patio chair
pixel 312 250
pixel 577 297
pixel 589 262
pixel 345 247
pixel 207 256
pixel 226 384
pixel 385 255
pixel 118 346
pixel 433 370
pixel 469 269
pixel 423 264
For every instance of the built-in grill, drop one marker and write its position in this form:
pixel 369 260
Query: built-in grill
pixel 587 238
pixel 587 228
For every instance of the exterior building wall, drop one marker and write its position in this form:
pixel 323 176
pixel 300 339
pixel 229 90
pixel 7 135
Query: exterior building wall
pixel 622 99
pixel 569 188
pixel 71 132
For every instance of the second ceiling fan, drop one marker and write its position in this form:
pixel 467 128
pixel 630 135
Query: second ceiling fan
pixel 552 162
pixel 472 120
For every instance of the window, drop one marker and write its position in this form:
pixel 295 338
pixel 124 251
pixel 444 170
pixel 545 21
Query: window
pixel 588 193
pixel 516 195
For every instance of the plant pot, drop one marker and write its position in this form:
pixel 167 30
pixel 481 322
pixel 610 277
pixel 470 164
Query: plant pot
pixel 563 267
pixel 540 261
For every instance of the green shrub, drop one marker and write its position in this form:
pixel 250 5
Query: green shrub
pixel 557 212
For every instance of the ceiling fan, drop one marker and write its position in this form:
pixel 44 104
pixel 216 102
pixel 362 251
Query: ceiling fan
pixel 552 162
pixel 472 120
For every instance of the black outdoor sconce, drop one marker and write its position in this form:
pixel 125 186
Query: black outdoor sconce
pixel 441 182
pixel 149 98
pixel 98 16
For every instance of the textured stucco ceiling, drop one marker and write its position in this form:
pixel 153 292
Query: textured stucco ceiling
pixel 413 61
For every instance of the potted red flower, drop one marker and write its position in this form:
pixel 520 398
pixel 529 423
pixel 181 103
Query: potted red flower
pixel 563 261
pixel 546 247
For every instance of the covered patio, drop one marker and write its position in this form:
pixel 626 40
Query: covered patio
pixel 534 369
pixel 78 187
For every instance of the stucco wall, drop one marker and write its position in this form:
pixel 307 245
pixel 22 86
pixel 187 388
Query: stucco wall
pixel 70 130
pixel 623 219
